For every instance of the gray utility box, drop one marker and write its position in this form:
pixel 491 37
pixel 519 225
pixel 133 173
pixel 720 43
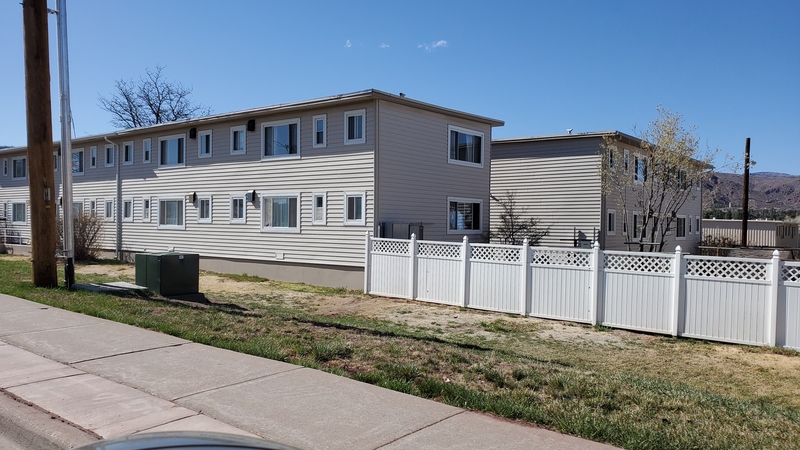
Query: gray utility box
pixel 168 273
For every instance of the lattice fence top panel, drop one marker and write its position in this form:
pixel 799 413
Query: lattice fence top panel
pixel 638 263
pixel 494 253
pixel 439 250
pixel 393 247
pixel 790 273
pixel 740 270
pixel 561 257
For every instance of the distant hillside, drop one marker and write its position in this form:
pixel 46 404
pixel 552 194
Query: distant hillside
pixel 767 190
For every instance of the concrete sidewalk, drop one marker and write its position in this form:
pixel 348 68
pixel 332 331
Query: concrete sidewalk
pixel 104 379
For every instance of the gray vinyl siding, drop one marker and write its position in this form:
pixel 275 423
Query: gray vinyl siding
pixel 415 178
pixel 555 181
pixel 15 191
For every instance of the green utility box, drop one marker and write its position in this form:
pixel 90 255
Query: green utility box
pixel 168 273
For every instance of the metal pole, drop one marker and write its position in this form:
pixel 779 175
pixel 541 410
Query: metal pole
pixel 66 147
pixel 746 196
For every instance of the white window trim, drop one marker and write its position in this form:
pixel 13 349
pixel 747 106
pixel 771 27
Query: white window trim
pixel 243 129
pixel 83 158
pixel 680 238
pixel 147 150
pixel 450 129
pixel 278 123
pixel 56 160
pixel 17 158
pixel 5 167
pixel 113 209
pixel 210 209
pixel 177 198
pixel 609 231
pixel 133 212
pixel 105 155
pixel 133 153
pixel 169 166
pixel 93 157
pixel 358 222
pixel 625 225
pixel 242 219
pixel 690 225
pixel 363 114
pixel 626 161
pixel 12 203
pixel 149 207
pixel 200 135
pixel 636 158
pixel 634 215
pixel 324 220
pixel 270 229
pixel 324 119
pixel 463 200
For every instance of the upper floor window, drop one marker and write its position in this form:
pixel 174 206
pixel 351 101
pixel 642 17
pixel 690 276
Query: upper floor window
pixel 204 144
pixel 127 152
pixel 320 131
pixel 464 215
pixel 280 138
pixel 92 157
pixel 146 150
pixel 639 168
pixel 238 140
pixel 171 151
pixel 5 167
pixel 625 159
pixel 109 155
pixel 354 127
pixel 77 162
pixel 19 168
pixel 466 146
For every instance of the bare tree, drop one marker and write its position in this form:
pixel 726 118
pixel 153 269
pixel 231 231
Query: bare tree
pixel 657 180
pixel 515 223
pixel 150 100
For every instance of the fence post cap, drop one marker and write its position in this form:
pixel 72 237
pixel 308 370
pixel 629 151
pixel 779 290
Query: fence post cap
pixel 596 245
pixel 776 254
pixel 466 239
pixel 413 236
pixel 525 242
pixel 677 249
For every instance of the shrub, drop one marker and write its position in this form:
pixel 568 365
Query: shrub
pixel 87 230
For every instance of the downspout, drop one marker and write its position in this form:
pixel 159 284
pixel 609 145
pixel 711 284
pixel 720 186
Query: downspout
pixel 118 212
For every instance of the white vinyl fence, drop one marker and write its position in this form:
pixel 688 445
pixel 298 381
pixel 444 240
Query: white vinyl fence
pixel 745 301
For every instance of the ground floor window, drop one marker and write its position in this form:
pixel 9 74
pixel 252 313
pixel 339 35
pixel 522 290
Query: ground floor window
pixel 680 227
pixel 109 210
pixel 464 215
pixel 18 212
pixel 238 210
pixel 127 210
pixel 355 205
pixel 204 209
pixel 319 201
pixel 611 227
pixel 170 213
pixel 280 213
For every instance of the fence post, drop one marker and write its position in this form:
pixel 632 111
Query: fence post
pixel 412 274
pixel 677 282
pixel 464 272
pixel 524 255
pixel 772 313
pixel 367 265
pixel 595 294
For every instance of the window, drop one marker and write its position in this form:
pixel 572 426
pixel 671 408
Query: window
pixel 354 127
pixel 204 210
pixel 466 146
pixel 170 213
pixel 5 167
pixel 625 225
pixel 355 206
pixel 464 216
pixel 146 151
pixel 92 157
pixel 77 208
pixel 319 202
pixel 639 168
pixel 238 140
pixel 238 210
pixel 109 155
pixel 697 225
pixel 77 162
pixel 280 138
pixel 320 131
pixel 18 212
pixel 108 212
pixel 680 227
pixel 127 153
pixel 689 223
pixel 611 225
pixel 127 210
pixel 171 151
pixel 611 157
pixel 280 213
pixel 204 144
pixel 637 226
pixel 19 168
pixel 625 159
pixel 92 208
pixel 56 161
pixel 145 210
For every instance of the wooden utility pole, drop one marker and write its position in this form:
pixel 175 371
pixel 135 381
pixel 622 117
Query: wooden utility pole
pixel 41 179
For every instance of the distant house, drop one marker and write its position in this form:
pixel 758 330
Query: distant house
pixel 556 179
pixel 286 192
pixel 760 233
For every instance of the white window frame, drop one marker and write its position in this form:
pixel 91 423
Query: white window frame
pixel 200 138
pixel 464 200
pixel 107 154
pixel 5 167
pixel 200 200
pixel 179 164
pixel 181 199
pixel 56 160
pixel 347 116
pixel 75 151
pixel 637 158
pixel 273 229
pixel 92 208
pixel 77 205
pixel 24 212
pixel 314 122
pixel 625 159
pixel 242 219
pixel 127 159
pixel 279 123
pixel 13 171
pixel 126 218
pixel 346 209
pixel 93 157
pixel 678 237
pixel 243 150
pixel 147 150
pixel 147 209
pixel 324 219
pixel 106 216
pixel 450 130
pixel 689 226
pixel 611 222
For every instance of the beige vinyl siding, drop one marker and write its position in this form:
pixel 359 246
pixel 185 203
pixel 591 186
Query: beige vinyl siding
pixel 414 176
pixel 15 191
pixel 556 181
pixel 760 233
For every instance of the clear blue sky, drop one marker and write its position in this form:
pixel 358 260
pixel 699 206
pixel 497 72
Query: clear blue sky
pixel 730 67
